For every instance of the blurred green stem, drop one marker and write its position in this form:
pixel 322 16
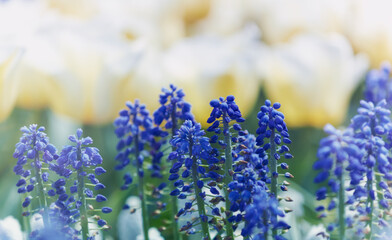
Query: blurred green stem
pixel 200 202
pixel 342 227
pixel 142 196
pixel 228 171
pixel 274 179
pixel 40 189
pixel 173 199
pixel 82 198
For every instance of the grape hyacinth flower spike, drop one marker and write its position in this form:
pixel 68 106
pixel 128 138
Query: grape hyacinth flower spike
pixel 80 164
pixel 223 114
pixel 273 138
pixel 135 130
pixel 371 127
pixel 189 175
pixel 173 111
pixel 34 154
pixel 379 85
pixel 339 157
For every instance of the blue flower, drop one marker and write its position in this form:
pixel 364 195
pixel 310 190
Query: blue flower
pixel 173 108
pixel 33 153
pixel 379 86
pixel 372 127
pixel 259 216
pixel 136 132
pixel 192 152
pixel 81 163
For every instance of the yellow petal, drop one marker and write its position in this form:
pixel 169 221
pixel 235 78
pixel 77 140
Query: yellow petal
pixel 370 30
pixel 313 77
pixel 280 20
pixel 209 67
pixel 88 87
pixel 8 88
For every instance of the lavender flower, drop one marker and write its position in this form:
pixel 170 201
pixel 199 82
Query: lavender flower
pixel 34 152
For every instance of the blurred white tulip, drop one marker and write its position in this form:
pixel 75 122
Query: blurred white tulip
pixel 369 29
pixel 313 77
pixel 280 20
pixel 155 21
pixel 209 67
pixel 224 18
pixel 10 229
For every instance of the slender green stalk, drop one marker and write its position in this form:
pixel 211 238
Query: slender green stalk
pixel 369 200
pixel 26 222
pixel 173 199
pixel 228 178
pixel 82 198
pixel 41 192
pixel 199 200
pixel 274 180
pixel 142 195
pixel 265 220
pixel 342 227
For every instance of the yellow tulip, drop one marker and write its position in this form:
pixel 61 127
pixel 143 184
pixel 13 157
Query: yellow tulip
pixel 313 78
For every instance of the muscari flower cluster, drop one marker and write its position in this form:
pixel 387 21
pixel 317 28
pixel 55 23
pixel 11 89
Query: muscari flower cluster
pixel 34 154
pixel 173 108
pixel 189 174
pixel 356 163
pixel 140 138
pixel 256 173
pixel 216 182
pixel 225 116
pixel 338 153
pixel 79 164
pixel 195 175
pixel 378 85
pixel 61 209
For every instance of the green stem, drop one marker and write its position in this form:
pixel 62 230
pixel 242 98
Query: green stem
pixel 228 178
pixel 142 195
pixel 199 200
pixel 342 226
pixel 274 180
pixel 26 222
pixel 82 198
pixel 173 199
pixel 369 201
pixel 265 220
pixel 41 191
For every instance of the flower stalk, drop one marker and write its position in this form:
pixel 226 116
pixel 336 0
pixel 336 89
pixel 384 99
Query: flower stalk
pixel 142 195
pixel 228 168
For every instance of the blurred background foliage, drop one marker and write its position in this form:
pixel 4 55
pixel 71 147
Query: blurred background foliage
pixel 73 63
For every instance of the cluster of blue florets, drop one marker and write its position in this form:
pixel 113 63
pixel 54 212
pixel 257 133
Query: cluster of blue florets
pixel 59 205
pixel 227 167
pixel 356 163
